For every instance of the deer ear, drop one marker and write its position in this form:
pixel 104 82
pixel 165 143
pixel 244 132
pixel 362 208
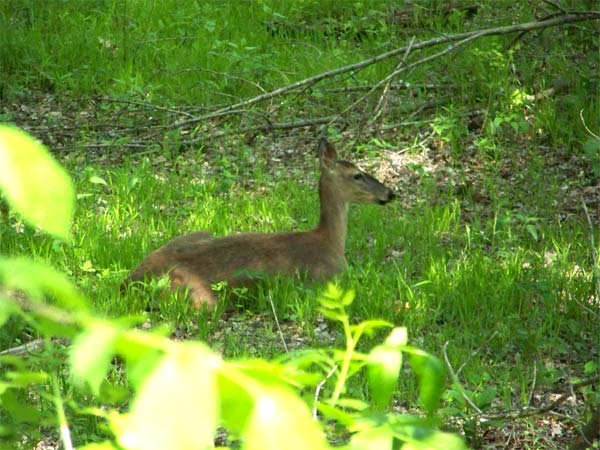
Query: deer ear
pixel 327 153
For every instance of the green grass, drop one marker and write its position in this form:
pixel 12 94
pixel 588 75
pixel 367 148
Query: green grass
pixel 450 279
pixel 504 300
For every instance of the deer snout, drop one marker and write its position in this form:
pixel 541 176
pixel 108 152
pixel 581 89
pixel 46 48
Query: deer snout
pixel 390 195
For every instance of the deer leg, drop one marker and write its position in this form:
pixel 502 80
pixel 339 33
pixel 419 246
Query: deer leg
pixel 199 291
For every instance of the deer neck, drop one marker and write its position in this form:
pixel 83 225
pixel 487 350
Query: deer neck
pixel 334 214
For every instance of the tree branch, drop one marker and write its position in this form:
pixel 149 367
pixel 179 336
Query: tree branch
pixel 524 27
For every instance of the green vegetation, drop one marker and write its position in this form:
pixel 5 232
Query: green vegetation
pixel 486 258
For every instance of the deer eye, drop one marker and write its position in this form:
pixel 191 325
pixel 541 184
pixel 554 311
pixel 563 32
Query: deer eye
pixel 358 176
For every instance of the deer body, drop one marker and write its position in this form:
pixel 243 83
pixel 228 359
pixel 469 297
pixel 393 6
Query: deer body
pixel 197 260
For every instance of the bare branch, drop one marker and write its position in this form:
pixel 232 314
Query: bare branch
pixel 146 105
pixel 464 37
pixel 382 99
pixel 30 347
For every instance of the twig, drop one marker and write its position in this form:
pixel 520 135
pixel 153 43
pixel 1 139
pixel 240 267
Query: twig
pixel 415 64
pixel 319 387
pixel 392 87
pixel 291 125
pixel 586 127
pixel 382 99
pixel 145 105
pixel 455 379
pixel 533 384
pixel 24 349
pixel 65 434
pixel 410 123
pixel 285 347
pixel 141 144
pixel 529 26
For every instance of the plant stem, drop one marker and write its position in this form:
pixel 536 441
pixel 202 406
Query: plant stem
pixel 350 344
pixel 65 434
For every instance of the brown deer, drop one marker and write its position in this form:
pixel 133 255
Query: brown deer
pixel 197 261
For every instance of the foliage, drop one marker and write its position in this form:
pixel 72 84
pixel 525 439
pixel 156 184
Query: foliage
pixel 183 390
pixel 32 161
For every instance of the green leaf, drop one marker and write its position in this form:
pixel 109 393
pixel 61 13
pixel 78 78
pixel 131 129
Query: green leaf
pixel 34 184
pixel 532 229
pixel 330 304
pixel 485 398
pixel 14 361
pixel 436 440
pixel 368 326
pixel 38 280
pixel 337 414
pixel 591 147
pixel 20 412
pixel 97 180
pixel 25 378
pixel 430 373
pixel 176 407
pixel 275 410
pixel 398 337
pixel 352 404
pixel 141 356
pixel 91 354
pixel 383 369
pixel 7 308
pixel 333 315
pixel 101 446
pixel 384 364
pixel 416 433
pixel 236 403
pixel 590 367
pixel 378 438
pixel 274 373
pixel 348 297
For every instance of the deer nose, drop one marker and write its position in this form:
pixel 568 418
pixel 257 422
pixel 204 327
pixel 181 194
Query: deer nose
pixel 390 196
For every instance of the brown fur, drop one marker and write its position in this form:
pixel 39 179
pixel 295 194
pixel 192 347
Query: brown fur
pixel 196 261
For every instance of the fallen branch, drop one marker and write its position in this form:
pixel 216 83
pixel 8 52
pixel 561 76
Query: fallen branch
pixel 34 346
pixel 471 35
pixel 392 87
pixel 145 105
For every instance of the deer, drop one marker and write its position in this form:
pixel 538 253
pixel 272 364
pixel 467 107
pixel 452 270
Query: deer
pixel 198 261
